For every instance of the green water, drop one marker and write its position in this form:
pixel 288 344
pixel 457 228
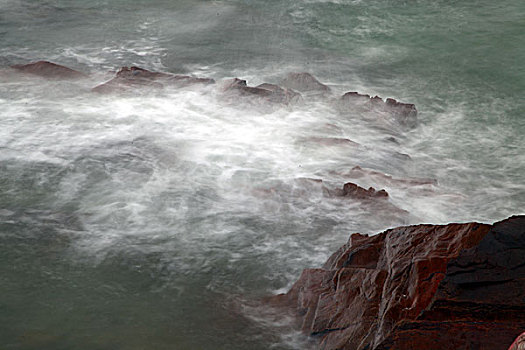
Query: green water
pixel 159 221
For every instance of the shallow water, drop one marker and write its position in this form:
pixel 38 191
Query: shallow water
pixel 157 220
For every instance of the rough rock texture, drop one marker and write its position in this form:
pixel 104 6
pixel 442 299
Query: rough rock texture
pixel 130 78
pixel 304 82
pixel 267 92
pixel 403 113
pixel 352 190
pixel 456 286
pixel 48 70
pixel 519 343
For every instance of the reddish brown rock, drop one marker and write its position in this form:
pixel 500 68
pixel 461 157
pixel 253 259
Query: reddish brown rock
pixel 48 70
pixel 352 190
pixel 304 82
pixel 403 113
pixel 519 343
pixel 281 95
pixel 265 92
pixel 456 286
pixel 375 201
pixel 130 78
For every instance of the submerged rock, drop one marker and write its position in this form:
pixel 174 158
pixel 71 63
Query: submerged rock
pixel 357 172
pixel 403 113
pixel 48 70
pixel 352 190
pixel 456 286
pixel 130 78
pixel 304 82
pixel 267 92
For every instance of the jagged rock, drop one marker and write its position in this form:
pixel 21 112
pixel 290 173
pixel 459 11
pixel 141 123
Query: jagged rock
pixel 456 286
pixel 352 190
pixel 267 92
pixel 241 87
pixel 130 78
pixel 48 70
pixel 519 343
pixel 304 82
pixel 281 95
pixel 403 113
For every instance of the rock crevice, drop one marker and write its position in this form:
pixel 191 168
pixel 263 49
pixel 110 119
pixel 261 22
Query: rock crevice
pixel 456 286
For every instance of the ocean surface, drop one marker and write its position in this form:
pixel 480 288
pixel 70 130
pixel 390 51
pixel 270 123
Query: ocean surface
pixel 159 220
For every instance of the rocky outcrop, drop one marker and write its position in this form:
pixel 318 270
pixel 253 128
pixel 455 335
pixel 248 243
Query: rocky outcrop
pixel 130 78
pixel 352 190
pixel 304 82
pixel 265 92
pixel 456 286
pixel 403 113
pixel 48 70
pixel 519 343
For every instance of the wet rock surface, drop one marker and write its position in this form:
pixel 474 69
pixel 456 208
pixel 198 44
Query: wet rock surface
pixel 133 79
pixel 266 92
pixel 403 113
pixel 130 78
pixel 519 343
pixel 304 82
pixel 48 70
pixel 456 286
pixel 352 190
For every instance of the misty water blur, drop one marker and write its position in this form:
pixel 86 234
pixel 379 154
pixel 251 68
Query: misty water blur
pixel 158 219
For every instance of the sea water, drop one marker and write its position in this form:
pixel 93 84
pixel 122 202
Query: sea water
pixel 158 220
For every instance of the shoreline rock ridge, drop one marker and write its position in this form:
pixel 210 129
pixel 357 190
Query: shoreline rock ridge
pixel 289 91
pixel 455 286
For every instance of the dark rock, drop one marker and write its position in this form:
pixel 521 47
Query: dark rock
pixel 370 199
pixel 131 78
pixel 241 87
pixel 456 286
pixel 403 113
pixel 352 190
pixel 281 95
pixel 266 92
pixel 48 70
pixel 304 82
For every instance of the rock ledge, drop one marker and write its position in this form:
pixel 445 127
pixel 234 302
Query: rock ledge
pixel 456 286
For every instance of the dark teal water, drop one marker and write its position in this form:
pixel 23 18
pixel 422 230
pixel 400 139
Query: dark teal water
pixel 158 221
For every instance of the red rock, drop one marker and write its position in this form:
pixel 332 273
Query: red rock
pixel 352 190
pixel 304 82
pixel 404 113
pixel 456 286
pixel 48 70
pixel 281 95
pixel 130 78
pixel 519 343
pixel 266 92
